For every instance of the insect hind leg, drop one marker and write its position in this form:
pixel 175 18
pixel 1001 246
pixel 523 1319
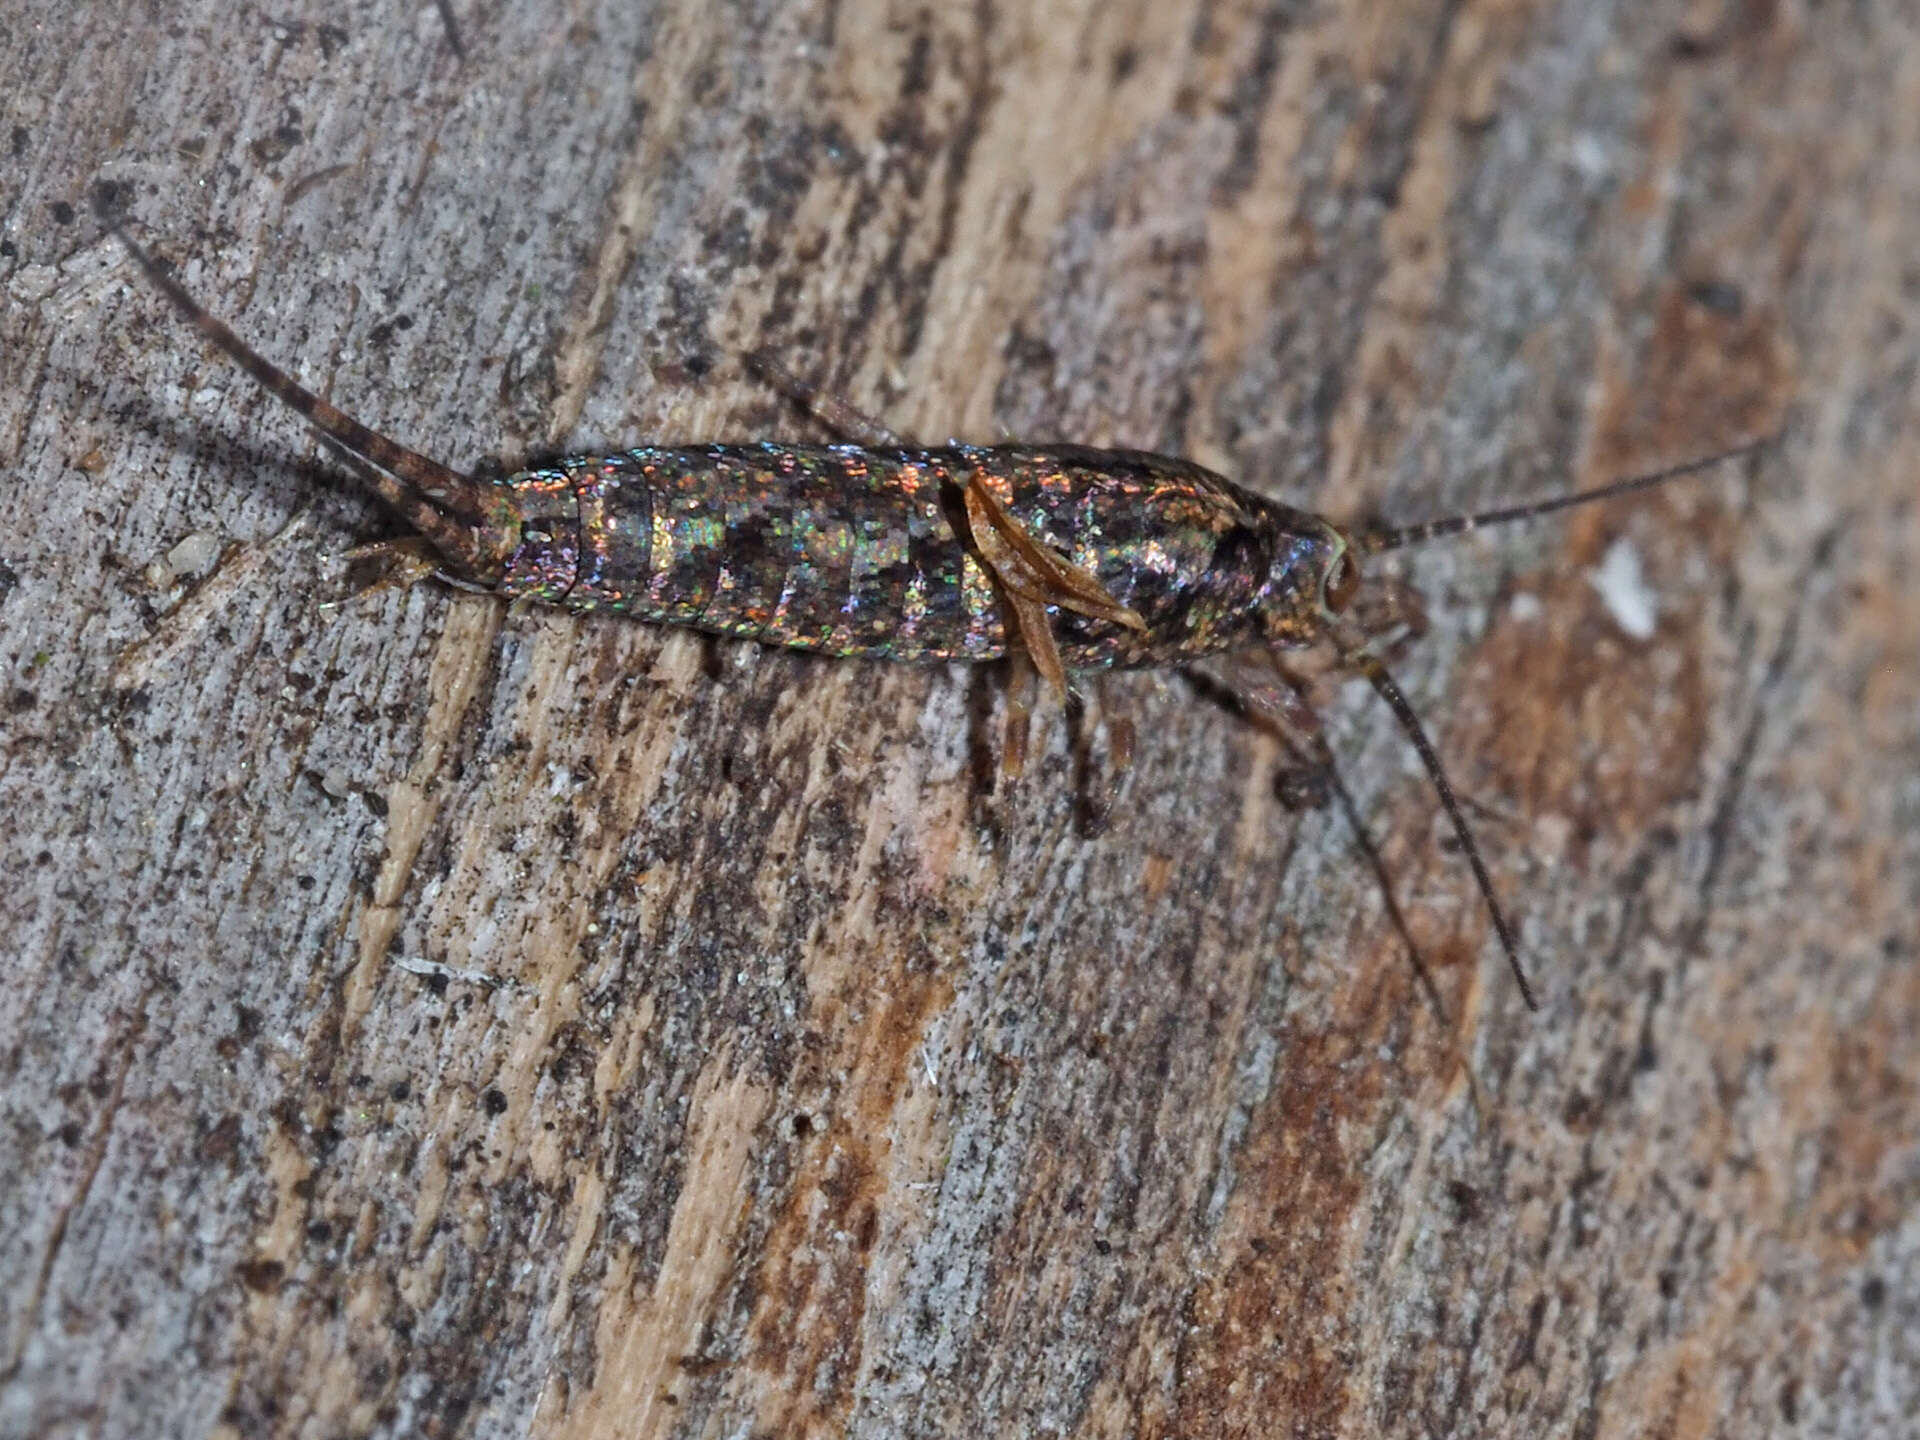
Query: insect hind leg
pixel 834 411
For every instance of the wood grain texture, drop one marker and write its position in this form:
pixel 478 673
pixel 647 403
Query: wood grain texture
pixel 425 1018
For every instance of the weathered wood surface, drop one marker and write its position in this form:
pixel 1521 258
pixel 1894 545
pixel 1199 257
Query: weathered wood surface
pixel 824 1082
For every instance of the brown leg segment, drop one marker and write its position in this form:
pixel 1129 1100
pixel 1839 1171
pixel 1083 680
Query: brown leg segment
pixel 400 564
pixel 837 414
pixel 1019 718
pixel 1271 696
pixel 1031 577
pixel 1098 779
pixel 1391 614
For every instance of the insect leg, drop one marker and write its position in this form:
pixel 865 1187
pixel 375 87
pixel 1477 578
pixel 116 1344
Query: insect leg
pixel 1356 657
pixel 400 563
pixel 1122 736
pixel 1036 632
pixel 1018 725
pixel 837 414
pixel 1097 777
pixel 1271 696
pixel 406 561
pixel 1031 577
pixel 1391 614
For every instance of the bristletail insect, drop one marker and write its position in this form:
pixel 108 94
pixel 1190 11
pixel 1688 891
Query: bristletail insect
pixel 1082 559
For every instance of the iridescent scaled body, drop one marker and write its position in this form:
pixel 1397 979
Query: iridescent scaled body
pixel 1081 559
pixel 853 551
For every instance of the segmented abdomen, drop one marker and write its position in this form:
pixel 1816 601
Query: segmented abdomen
pixel 853 551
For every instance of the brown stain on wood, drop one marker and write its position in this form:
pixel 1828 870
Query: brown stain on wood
pixel 1718 372
pixel 811 1285
pixel 1256 1355
pixel 1577 718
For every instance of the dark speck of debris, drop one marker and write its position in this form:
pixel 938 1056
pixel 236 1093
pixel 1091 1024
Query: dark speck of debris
pixel 263 1276
pixel 493 1102
pixel 69 1134
pixel 21 136
pixel 22 700
pixel 222 1139
pixel 1687 45
pixel 1466 1200
pixel 270 149
pixel 383 332
pixel 62 213
pixel 1719 296
pixel 1873 1294
pixel 399 1090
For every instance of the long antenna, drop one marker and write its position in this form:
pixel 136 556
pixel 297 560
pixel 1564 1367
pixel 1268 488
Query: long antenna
pixel 445 506
pixel 1382 682
pixel 1375 542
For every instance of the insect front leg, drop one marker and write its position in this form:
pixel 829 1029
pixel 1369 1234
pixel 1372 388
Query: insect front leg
pixel 1391 615
pixel 1123 738
pixel 1031 576
pixel 1274 697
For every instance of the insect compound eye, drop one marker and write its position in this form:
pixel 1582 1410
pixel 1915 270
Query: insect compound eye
pixel 1342 579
